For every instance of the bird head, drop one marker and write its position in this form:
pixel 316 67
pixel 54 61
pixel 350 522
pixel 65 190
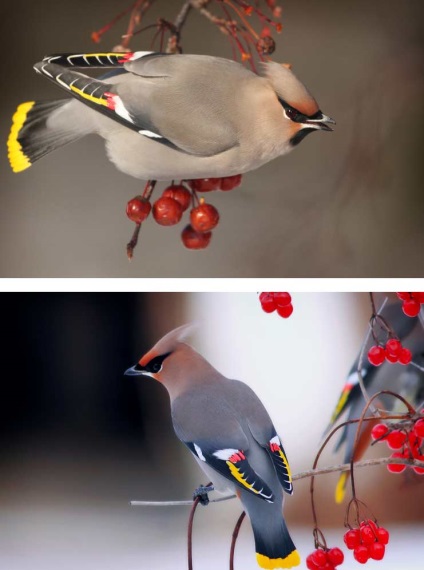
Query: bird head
pixel 173 363
pixel 298 106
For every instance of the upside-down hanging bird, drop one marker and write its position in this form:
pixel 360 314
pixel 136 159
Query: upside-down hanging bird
pixel 408 381
pixel 168 116
pixel 229 432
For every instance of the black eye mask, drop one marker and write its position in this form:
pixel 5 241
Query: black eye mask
pixel 154 366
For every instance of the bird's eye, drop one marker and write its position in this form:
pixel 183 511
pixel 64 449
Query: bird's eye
pixel 292 114
pixel 156 367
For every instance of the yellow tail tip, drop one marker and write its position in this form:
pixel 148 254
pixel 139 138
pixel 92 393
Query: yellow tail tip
pixel 293 559
pixel 17 158
pixel 341 488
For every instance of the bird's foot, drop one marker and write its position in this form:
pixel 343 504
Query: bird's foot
pixel 202 494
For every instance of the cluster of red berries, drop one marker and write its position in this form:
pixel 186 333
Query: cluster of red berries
pixel 280 302
pixel 408 440
pixel 175 200
pixel 367 541
pixel 327 559
pixel 411 303
pixel 393 352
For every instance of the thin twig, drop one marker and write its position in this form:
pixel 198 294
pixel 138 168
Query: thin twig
pixel 173 45
pixel 234 538
pixel 190 530
pixel 187 503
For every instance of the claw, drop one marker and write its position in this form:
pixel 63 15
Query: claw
pixel 201 493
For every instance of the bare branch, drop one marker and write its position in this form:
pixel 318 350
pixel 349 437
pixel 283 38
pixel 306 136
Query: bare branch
pixel 296 477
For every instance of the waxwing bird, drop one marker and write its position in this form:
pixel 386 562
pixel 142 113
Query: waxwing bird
pixel 230 434
pixel 408 381
pixel 168 116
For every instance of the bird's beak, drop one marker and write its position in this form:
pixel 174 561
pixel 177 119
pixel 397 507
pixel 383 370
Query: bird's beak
pixel 321 122
pixel 134 371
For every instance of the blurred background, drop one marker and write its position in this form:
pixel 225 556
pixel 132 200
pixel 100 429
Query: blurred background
pixel 347 203
pixel 80 440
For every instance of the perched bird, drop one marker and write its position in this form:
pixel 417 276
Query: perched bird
pixel 408 381
pixel 169 116
pixel 229 432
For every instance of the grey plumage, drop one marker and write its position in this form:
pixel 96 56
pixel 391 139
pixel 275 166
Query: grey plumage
pixel 185 116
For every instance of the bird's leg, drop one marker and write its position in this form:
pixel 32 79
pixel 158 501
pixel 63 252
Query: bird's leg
pixel 202 493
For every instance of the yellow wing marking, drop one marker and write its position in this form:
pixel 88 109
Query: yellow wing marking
pixel 17 158
pixel 286 463
pixel 293 559
pixel 238 476
pixel 97 100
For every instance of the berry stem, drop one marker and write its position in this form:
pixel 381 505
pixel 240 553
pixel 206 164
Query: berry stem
pixel 148 189
pixel 133 242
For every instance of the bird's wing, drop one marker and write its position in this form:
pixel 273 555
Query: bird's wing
pixel 101 96
pixel 99 59
pixel 281 464
pixel 262 429
pixel 205 422
pixel 232 464
pixel 188 102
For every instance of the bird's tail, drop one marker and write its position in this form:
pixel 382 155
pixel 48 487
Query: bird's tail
pixel 274 546
pixel 33 135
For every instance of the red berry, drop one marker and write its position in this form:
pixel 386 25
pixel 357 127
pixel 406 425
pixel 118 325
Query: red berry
pixel 230 182
pixel 396 439
pixel 382 535
pixel 205 184
pixel 393 347
pixel 265 295
pixel 179 193
pixel 352 538
pixel 268 304
pixel 379 431
pixel 405 356
pixel 286 311
pixel 310 564
pixel 319 557
pixel 282 299
pixel 204 217
pixel 376 355
pixel 396 467
pixel 404 296
pixel 327 566
pixel 138 209
pixel 335 556
pixel 390 357
pixel 372 525
pixel 419 428
pixel 418 297
pixel 167 211
pixel 377 551
pixel 367 535
pixel 411 308
pixel 361 554
pixel 195 240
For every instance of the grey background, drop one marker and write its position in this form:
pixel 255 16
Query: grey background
pixel 347 203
